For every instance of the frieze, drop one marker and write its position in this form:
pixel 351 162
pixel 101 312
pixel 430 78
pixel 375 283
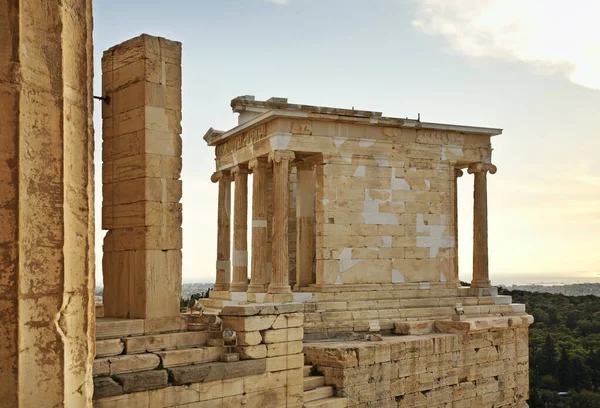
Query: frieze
pixel 437 137
pixel 249 137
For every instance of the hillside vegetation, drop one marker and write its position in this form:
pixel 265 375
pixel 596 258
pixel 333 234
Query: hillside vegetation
pixel 564 349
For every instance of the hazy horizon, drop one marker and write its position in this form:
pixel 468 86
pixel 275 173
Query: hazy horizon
pixel 532 69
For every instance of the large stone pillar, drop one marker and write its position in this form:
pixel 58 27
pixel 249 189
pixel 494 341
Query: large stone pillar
pixel 481 278
pixel 223 277
pixel 258 283
pixel 47 280
pixel 239 282
pixel 141 178
pixel 279 287
pixel 457 173
pixel 305 221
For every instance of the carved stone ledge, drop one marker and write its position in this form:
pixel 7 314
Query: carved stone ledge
pixel 458 173
pixel 482 168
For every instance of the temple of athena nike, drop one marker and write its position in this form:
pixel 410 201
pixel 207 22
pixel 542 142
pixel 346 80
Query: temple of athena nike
pixel 348 295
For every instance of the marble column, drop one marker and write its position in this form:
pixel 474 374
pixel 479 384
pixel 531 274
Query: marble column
pixel 305 220
pixel 47 312
pixel 279 287
pixel 481 277
pixel 258 282
pixel 457 173
pixel 223 277
pixel 239 282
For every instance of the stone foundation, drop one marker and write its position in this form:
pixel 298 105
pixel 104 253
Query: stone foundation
pixel 473 369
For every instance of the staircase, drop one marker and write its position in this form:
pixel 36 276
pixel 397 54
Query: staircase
pixel 317 394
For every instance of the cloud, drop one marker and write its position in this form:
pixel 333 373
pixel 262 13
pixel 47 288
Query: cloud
pixel 553 36
pixel 279 2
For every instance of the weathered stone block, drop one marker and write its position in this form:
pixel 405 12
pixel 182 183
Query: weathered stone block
pixel 143 380
pixel 105 387
pixel 282 335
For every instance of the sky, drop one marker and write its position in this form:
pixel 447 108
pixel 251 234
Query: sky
pixel 530 67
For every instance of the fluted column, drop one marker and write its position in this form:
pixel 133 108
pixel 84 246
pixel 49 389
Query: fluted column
pixel 457 173
pixel 239 282
pixel 47 317
pixel 481 277
pixel 223 277
pixel 305 220
pixel 258 282
pixel 279 287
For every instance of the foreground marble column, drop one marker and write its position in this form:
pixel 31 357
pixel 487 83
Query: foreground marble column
pixel 223 277
pixel 305 220
pixel 457 173
pixel 481 278
pixel 47 312
pixel 258 283
pixel 239 282
pixel 279 287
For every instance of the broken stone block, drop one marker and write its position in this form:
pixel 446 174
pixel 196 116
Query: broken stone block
pixel 106 387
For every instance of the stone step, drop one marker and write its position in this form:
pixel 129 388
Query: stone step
pixel 306 370
pixel 312 382
pixel 216 303
pixel 112 327
pixel 331 402
pixel 318 393
pixel 168 341
pixel 176 358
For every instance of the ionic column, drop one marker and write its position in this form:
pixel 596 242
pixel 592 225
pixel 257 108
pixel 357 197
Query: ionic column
pixel 457 173
pixel 305 220
pixel 258 281
pixel 223 277
pixel 239 282
pixel 279 287
pixel 481 277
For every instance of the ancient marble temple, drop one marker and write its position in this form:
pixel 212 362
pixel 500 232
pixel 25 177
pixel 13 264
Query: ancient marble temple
pixel 344 200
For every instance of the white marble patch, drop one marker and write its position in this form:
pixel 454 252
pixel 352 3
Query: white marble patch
pixel 360 171
pixel 280 141
pixel 338 141
pixel 366 142
pixel 397 276
pixel 382 161
pixel 387 241
pixel 424 285
pixel 380 218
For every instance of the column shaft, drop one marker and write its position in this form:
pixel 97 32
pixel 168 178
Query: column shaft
pixel 457 173
pixel 305 220
pixel 239 282
pixel 279 287
pixel 480 225
pixel 258 282
pixel 47 312
pixel 223 277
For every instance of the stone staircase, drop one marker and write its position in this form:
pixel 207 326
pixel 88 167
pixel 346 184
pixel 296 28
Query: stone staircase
pixel 319 395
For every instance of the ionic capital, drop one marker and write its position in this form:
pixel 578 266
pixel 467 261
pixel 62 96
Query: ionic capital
pixel 258 162
pixel 482 168
pixel 218 175
pixel 277 156
pixel 458 173
pixel 239 170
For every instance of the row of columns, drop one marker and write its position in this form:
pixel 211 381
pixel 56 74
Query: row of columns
pixel 278 287
pixel 481 275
